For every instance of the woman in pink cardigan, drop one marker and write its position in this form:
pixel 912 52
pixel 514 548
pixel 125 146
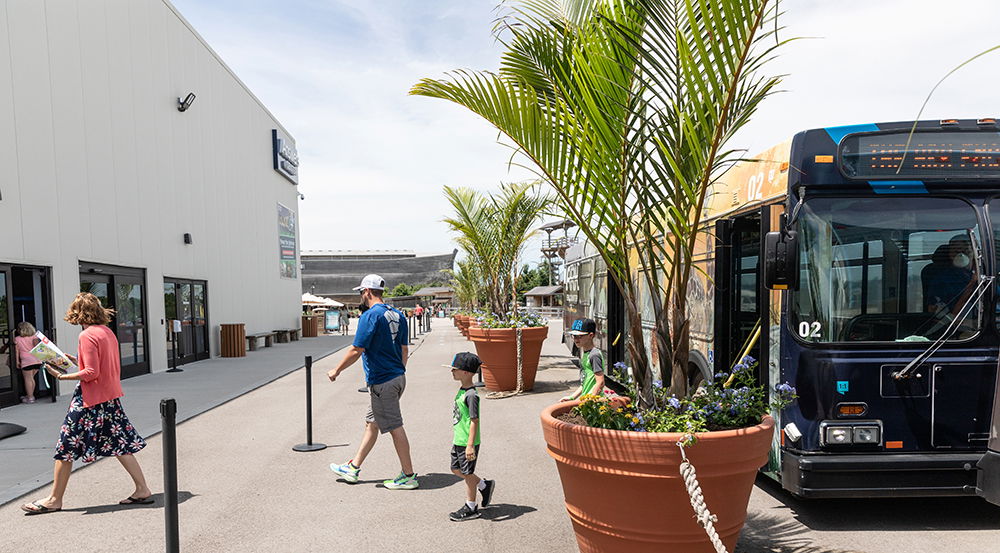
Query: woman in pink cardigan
pixel 96 425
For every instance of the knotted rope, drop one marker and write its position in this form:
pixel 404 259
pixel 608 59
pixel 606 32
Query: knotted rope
pixel 704 517
pixel 520 371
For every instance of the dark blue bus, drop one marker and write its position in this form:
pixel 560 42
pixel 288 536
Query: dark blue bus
pixel 862 259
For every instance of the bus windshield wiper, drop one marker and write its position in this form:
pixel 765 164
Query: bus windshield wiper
pixel 970 303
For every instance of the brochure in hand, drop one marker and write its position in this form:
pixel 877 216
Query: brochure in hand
pixel 50 354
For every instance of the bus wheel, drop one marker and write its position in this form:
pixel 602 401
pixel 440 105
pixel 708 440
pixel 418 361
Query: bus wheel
pixel 695 376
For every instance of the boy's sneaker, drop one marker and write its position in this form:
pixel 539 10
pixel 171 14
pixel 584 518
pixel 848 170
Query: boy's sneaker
pixel 346 471
pixel 402 482
pixel 465 513
pixel 487 492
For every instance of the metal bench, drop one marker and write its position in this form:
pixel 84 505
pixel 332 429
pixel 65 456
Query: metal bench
pixel 267 336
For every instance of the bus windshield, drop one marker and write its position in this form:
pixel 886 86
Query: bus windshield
pixel 885 269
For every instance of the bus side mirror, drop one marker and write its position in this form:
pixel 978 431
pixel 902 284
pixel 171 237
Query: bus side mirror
pixel 781 260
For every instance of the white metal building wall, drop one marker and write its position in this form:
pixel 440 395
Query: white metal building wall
pixel 98 165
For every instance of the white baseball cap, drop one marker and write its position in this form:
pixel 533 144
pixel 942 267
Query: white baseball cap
pixel 371 282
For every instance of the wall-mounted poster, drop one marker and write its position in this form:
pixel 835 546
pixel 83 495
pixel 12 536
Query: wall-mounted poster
pixel 287 258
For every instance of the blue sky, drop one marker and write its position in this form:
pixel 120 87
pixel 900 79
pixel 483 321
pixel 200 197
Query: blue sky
pixel 336 74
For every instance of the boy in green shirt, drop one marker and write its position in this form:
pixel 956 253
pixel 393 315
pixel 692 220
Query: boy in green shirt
pixel 591 360
pixel 465 445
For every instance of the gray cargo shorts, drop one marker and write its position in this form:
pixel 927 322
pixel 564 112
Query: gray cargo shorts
pixel 384 409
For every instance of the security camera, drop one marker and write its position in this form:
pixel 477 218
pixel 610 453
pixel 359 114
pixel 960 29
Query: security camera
pixel 183 105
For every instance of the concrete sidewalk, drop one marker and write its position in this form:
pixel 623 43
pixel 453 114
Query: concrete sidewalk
pixel 26 459
pixel 243 489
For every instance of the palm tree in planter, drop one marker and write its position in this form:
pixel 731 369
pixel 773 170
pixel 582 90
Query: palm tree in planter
pixel 625 108
pixel 493 230
pixel 468 287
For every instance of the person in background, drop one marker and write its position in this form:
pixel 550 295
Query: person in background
pixel 96 425
pixel 345 322
pixel 591 360
pixel 29 364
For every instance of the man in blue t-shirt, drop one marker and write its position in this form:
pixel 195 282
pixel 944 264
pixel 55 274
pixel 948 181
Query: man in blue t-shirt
pixel 382 342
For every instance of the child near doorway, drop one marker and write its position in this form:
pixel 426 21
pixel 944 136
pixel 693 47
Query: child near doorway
pixel 24 342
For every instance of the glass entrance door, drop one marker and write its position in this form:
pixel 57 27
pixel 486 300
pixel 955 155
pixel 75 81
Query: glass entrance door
pixel 8 395
pixel 187 301
pixel 130 322
pixel 124 290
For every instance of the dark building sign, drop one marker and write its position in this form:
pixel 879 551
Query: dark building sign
pixel 285 157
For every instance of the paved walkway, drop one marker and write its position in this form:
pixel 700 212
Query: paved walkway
pixel 26 459
pixel 242 489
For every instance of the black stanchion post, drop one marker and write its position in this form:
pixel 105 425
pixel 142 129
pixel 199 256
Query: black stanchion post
pixel 168 418
pixel 173 348
pixel 309 445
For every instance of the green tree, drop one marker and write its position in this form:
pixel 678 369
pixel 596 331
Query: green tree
pixel 401 289
pixel 530 278
pixel 625 107
pixel 467 284
pixel 493 230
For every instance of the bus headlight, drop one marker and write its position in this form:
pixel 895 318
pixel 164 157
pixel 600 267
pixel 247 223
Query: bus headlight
pixel 866 435
pixel 836 433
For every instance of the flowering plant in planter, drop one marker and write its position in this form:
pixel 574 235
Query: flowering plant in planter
pixel 522 319
pixel 731 400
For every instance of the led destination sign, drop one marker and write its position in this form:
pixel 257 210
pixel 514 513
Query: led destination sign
pixel 929 155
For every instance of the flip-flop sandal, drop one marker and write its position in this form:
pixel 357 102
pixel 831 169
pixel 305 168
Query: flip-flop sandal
pixel 36 508
pixel 137 501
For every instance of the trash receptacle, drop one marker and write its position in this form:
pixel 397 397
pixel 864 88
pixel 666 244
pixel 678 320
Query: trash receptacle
pixel 234 339
pixel 310 326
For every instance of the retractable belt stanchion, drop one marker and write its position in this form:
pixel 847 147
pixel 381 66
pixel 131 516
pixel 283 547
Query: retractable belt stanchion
pixel 168 419
pixel 309 445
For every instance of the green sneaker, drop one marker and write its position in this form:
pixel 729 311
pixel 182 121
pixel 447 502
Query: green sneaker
pixel 347 471
pixel 402 482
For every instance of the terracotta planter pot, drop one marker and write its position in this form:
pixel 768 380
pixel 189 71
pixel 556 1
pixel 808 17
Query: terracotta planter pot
pixel 497 348
pixel 463 324
pixel 624 491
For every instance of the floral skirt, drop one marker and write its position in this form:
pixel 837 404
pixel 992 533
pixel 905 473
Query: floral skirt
pixel 102 430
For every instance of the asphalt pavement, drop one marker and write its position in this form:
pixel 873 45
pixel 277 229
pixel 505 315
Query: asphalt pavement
pixel 243 489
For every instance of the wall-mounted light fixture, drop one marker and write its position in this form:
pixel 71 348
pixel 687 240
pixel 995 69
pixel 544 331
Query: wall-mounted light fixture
pixel 183 105
pixel 187 237
pixel 302 196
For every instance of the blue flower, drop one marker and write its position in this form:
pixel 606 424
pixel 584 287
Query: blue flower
pixel 657 383
pixel 785 389
pixel 747 360
pixel 620 366
pixel 721 375
pixel 674 402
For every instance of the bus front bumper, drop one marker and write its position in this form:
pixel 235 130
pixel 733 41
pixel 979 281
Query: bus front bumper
pixel 829 475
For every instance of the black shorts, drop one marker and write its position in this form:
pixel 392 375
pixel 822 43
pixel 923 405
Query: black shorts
pixel 32 367
pixel 460 463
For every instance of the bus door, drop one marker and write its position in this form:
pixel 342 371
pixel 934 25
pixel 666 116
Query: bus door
pixel 988 480
pixel 737 302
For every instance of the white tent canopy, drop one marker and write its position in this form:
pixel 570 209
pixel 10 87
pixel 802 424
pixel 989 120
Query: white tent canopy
pixel 309 299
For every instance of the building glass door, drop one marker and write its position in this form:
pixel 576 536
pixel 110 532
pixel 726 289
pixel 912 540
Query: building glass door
pixel 8 395
pixel 124 290
pixel 187 301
